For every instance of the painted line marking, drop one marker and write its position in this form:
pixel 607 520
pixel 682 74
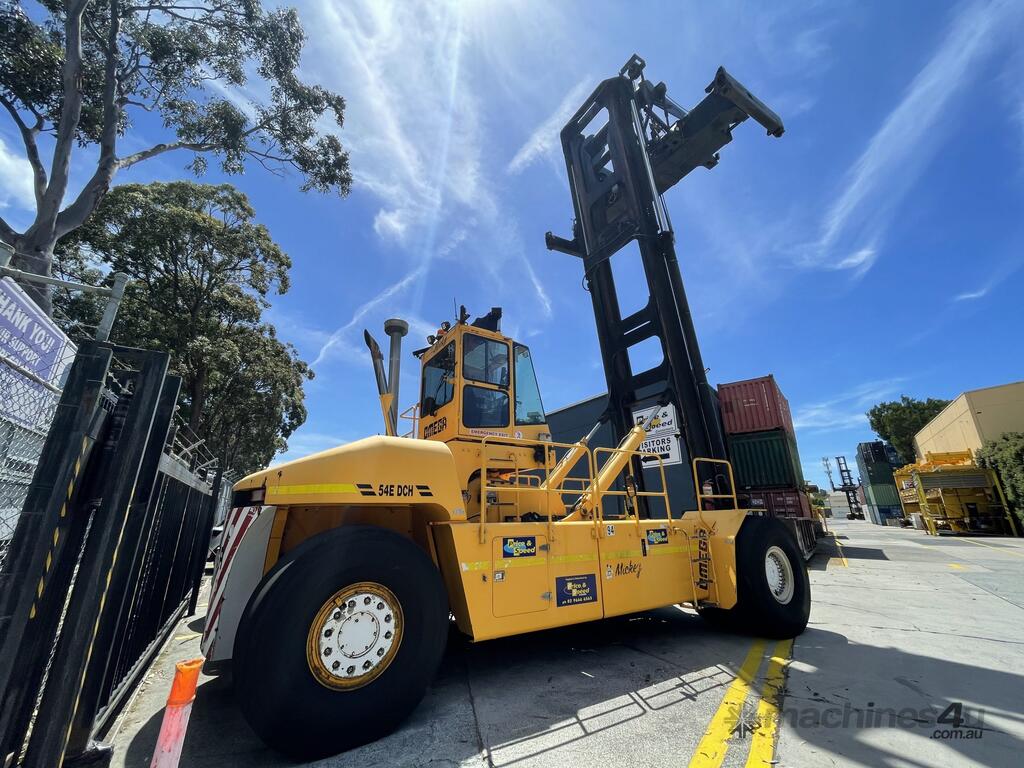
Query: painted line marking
pixel 762 746
pixel 997 549
pixel 712 748
pixel 955 566
pixel 842 555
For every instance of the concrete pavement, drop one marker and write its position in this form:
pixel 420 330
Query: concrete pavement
pixel 900 621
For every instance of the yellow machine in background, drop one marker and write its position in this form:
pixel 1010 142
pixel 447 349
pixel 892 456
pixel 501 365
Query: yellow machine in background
pixel 954 495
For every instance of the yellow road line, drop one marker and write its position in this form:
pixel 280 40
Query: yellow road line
pixel 955 566
pixel 762 746
pixel 997 549
pixel 712 748
pixel 842 555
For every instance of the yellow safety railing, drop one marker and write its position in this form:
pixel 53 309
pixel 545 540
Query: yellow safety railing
pixel 507 467
pixel 412 413
pixel 501 472
pixel 631 493
pixel 698 485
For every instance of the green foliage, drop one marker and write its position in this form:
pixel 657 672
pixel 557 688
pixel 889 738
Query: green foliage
pixel 222 78
pixel 201 269
pixel 899 420
pixel 1006 456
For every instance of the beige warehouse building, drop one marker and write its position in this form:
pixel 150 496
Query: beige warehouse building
pixel 973 418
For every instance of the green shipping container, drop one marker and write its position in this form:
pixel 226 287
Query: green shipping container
pixel 765 460
pixel 882 494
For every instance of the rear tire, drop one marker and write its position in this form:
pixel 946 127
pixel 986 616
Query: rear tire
pixel 302 689
pixel 774 592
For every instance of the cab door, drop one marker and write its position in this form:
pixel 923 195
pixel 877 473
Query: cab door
pixel 644 565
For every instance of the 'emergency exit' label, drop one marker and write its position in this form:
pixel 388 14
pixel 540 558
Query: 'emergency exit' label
pixel 662 437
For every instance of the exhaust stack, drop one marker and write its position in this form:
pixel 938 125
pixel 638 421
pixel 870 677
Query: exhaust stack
pixel 387 382
pixel 396 329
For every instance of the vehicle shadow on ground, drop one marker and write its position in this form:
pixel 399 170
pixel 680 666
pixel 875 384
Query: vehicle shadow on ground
pixel 899 695
pixel 518 697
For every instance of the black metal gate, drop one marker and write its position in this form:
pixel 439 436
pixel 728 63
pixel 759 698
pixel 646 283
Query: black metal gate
pixel 108 554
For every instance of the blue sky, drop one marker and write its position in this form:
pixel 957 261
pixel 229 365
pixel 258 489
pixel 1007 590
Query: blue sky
pixel 874 250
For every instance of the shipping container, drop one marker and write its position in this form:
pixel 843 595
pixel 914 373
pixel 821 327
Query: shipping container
pixel 765 460
pixel 875 463
pixel 784 503
pixel 880 515
pixel 754 405
pixel 882 495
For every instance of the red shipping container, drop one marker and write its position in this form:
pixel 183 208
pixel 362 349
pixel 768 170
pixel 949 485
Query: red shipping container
pixel 777 503
pixel 754 405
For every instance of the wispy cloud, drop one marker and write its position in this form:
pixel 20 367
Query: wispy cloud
pixel 847 409
pixel 338 341
pixel 306 441
pixel 1003 270
pixel 971 295
pixel 15 180
pixel 417 125
pixel 544 140
pixel 855 223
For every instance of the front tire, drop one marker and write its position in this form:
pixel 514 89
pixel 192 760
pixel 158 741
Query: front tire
pixel 774 592
pixel 340 641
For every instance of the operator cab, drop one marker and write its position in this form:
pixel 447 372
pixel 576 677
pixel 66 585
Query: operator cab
pixel 478 383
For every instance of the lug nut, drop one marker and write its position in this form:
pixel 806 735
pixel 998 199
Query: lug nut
pixel 350 671
pixel 337 615
pixel 351 605
pixel 380 606
pixel 328 632
pixel 335 665
pixel 387 635
pixel 387 619
pixel 327 651
pixel 366 601
pixel 380 651
pixel 367 664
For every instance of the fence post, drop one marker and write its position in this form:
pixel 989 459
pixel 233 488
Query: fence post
pixel 113 303
pixel 53 724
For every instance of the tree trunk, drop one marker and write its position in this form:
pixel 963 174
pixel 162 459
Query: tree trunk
pixel 34 254
pixel 198 397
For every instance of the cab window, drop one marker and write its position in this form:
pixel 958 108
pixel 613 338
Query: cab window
pixel 529 409
pixel 484 407
pixel 485 360
pixel 438 380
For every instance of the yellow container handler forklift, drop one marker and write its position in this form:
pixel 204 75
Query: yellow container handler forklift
pixel 339 573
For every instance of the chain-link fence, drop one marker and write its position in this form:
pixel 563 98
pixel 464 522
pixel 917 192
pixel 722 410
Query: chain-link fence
pixel 34 358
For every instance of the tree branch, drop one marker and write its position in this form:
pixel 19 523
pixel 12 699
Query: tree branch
pixel 75 214
pixel 70 114
pixel 7 234
pixel 158 149
pixel 31 151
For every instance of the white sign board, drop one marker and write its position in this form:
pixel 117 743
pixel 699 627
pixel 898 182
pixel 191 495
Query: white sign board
pixel 662 437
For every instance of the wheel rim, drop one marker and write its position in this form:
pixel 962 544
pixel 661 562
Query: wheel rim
pixel 778 572
pixel 355 636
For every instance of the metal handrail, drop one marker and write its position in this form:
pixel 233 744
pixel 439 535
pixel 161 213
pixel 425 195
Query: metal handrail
pixel 663 493
pixel 412 413
pixel 513 442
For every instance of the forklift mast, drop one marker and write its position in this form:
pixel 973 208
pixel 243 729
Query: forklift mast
pixel 624 148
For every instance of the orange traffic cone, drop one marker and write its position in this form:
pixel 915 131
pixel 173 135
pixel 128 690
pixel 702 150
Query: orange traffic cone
pixel 176 714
